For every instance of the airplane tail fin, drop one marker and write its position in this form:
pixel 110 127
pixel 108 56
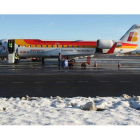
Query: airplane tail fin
pixel 131 36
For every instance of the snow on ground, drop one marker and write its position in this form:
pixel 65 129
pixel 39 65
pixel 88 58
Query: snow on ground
pixel 68 111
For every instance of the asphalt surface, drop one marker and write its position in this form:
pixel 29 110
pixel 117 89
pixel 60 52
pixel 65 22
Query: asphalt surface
pixel 34 79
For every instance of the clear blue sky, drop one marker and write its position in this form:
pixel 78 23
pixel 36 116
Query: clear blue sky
pixel 66 27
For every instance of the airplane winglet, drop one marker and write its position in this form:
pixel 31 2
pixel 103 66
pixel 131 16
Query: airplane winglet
pixel 112 48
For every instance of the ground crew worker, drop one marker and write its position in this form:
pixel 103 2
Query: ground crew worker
pixel 16 58
pixel 10 47
pixel 59 61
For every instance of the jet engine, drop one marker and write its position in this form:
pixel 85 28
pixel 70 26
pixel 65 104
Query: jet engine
pixel 107 44
pixel 104 44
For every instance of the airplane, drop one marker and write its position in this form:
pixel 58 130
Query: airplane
pixel 69 49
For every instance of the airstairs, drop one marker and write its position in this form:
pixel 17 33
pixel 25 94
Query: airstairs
pixel 11 58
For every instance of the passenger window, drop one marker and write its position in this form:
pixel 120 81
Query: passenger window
pixel 77 46
pixel 0 43
pixel 29 46
pixel 41 46
pixel 52 46
pixel 62 46
pixel 68 46
pixel 46 46
pixel 72 46
pixel 18 45
pixel 83 46
pixel 35 45
pixel 57 46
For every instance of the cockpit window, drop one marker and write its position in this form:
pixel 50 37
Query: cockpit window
pixel 0 43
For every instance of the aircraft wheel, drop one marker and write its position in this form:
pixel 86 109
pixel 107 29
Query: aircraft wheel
pixel 83 65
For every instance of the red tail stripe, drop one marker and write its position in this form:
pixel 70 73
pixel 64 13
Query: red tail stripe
pixel 130 36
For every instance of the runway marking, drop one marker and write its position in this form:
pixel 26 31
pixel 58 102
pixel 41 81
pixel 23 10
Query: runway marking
pixel 83 81
pixel 61 81
pixel 125 81
pixel 39 82
pixel 104 81
pixel 17 82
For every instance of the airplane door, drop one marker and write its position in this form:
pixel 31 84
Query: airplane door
pixel 11 46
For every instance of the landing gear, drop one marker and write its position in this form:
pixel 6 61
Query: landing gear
pixel 83 65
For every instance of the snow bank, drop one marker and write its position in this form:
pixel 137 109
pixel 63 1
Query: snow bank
pixel 70 111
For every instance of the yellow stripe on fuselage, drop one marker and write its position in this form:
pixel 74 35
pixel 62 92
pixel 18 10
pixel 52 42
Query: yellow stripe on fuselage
pixel 127 47
pixel 21 42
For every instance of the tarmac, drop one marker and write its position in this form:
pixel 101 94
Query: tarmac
pixel 37 80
